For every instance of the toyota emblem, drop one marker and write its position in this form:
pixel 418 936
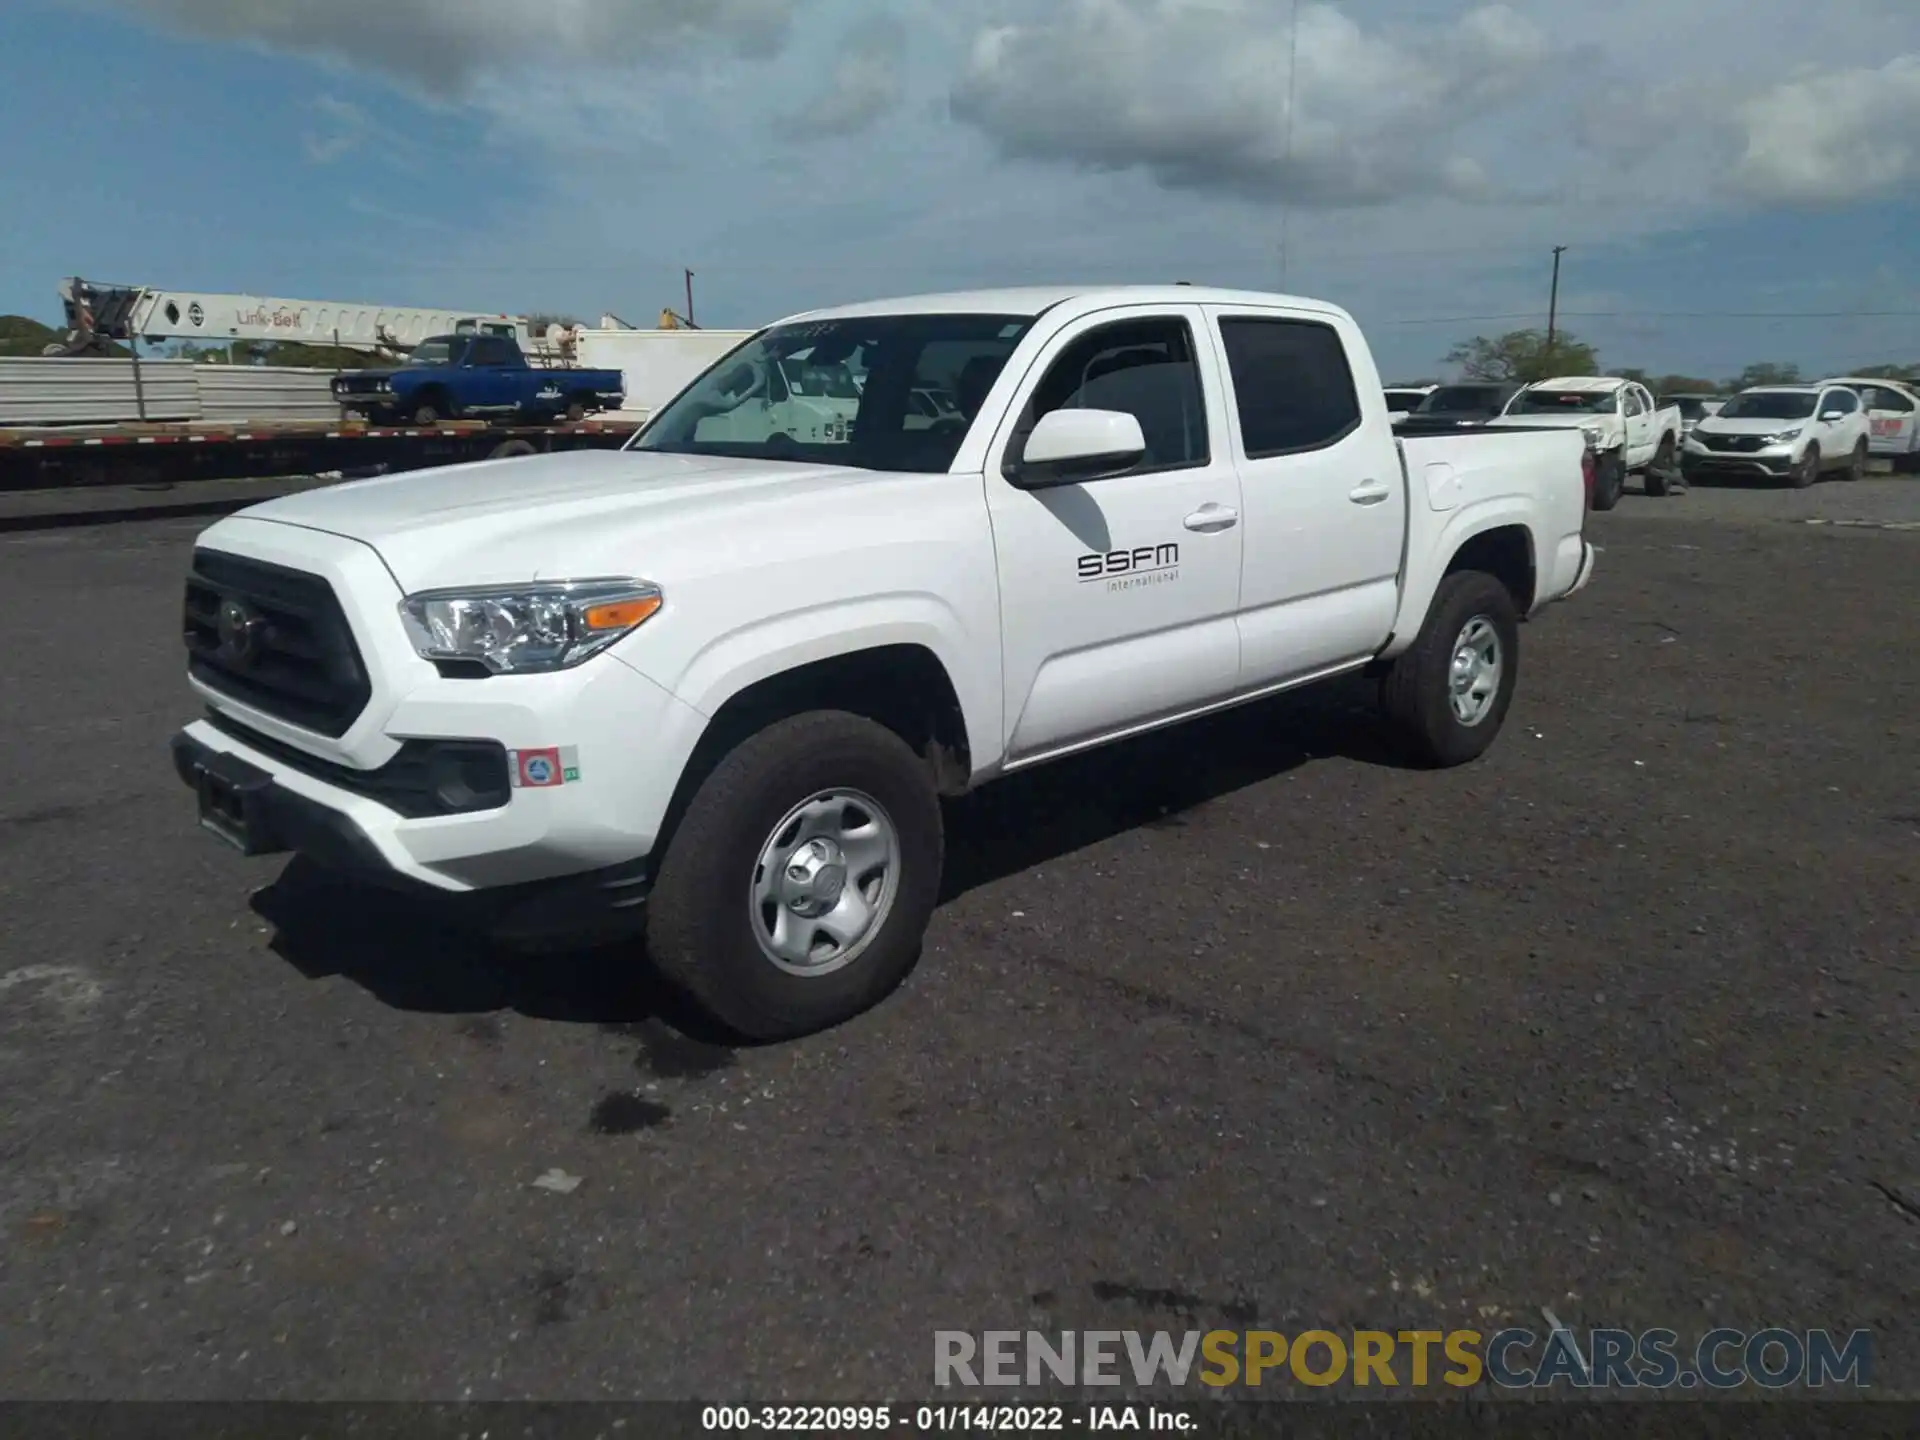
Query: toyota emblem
pixel 241 633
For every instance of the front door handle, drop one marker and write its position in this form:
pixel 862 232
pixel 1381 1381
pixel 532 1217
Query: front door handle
pixel 1211 517
pixel 1369 492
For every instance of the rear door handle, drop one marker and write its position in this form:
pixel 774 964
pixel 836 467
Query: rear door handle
pixel 1211 517
pixel 1370 492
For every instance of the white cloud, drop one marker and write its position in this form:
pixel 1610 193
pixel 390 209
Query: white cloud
pixel 1439 148
pixel 1833 137
pixel 441 45
pixel 347 127
pixel 1196 93
pixel 868 80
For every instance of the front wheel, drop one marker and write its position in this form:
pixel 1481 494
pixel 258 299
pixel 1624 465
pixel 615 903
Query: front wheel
pixel 1609 481
pixel 1448 695
pixel 797 888
pixel 1807 471
pixel 426 415
pixel 1857 466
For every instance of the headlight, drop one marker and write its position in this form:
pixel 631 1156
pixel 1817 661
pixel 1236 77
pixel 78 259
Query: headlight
pixel 1781 437
pixel 528 629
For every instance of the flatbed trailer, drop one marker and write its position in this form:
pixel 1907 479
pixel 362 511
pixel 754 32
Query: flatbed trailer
pixel 48 457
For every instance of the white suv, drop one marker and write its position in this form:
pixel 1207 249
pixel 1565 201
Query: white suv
pixel 1798 432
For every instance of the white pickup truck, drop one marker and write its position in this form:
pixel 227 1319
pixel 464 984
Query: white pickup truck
pixel 1626 430
pixel 717 685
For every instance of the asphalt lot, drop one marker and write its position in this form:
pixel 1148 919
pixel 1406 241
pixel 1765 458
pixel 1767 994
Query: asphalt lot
pixel 1237 1025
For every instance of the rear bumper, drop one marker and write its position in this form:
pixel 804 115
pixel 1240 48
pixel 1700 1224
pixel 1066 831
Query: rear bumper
pixel 1588 558
pixel 276 819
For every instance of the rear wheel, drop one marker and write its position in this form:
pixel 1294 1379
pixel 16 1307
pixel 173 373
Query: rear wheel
pixel 1660 473
pixel 1448 695
pixel 796 890
pixel 1808 470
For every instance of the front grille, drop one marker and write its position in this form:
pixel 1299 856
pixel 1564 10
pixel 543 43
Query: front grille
pixel 298 661
pixel 1743 444
pixel 426 777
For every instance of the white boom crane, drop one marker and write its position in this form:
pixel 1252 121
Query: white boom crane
pixel 98 313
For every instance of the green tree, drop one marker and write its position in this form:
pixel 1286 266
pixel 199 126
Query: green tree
pixel 1765 373
pixel 1908 374
pixel 1524 356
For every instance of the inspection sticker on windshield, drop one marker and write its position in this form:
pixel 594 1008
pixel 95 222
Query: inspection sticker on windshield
pixel 543 769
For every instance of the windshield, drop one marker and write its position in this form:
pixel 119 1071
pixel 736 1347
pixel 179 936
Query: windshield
pixel 1769 405
pixel 877 392
pixel 1564 402
pixel 1485 398
pixel 433 352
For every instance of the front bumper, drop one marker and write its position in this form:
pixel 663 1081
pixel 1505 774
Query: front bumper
pixel 262 813
pixel 1777 463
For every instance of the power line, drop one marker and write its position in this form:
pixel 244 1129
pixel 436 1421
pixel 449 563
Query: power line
pixel 1286 160
pixel 1662 315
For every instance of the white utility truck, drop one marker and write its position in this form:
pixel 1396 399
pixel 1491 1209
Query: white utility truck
pixel 1627 432
pixel 717 682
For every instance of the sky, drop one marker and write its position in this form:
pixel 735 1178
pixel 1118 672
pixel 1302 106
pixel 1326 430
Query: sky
pixel 1734 180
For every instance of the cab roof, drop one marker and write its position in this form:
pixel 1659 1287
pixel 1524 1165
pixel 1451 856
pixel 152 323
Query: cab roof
pixel 1596 384
pixel 1032 300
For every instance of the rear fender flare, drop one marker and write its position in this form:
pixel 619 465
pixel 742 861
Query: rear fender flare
pixel 1426 569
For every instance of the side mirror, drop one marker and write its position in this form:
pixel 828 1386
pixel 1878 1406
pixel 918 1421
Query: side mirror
pixel 1069 447
pixel 1829 416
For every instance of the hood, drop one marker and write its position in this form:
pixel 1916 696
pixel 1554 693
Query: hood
pixel 541 516
pixel 1721 425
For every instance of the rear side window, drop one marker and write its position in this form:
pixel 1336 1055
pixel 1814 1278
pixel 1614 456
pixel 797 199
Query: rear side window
pixel 1292 385
pixel 1878 397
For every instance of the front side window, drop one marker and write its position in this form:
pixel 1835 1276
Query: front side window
pixel 1292 386
pixel 849 391
pixel 1144 367
pixel 1841 400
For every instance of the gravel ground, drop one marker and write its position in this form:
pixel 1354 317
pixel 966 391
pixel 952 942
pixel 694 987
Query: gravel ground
pixel 1238 1025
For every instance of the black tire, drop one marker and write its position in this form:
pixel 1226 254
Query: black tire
pixel 700 921
pixel 1857 466
pixel 512 450
pixel 1416 692
pixel 1609 480
pixel 426 414
pixel 1807 471
pixel 1660 472
pixel 576 411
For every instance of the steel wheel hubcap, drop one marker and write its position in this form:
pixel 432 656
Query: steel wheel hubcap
pixel 825 882
pixel 1473 680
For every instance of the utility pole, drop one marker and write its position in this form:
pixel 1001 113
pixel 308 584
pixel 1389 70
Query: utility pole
pixel 1553 304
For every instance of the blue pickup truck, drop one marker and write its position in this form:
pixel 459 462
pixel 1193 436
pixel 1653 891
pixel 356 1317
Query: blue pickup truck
pixel 480 377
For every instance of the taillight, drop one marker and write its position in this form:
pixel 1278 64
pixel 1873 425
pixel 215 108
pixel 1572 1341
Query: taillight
pixel 1588 473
